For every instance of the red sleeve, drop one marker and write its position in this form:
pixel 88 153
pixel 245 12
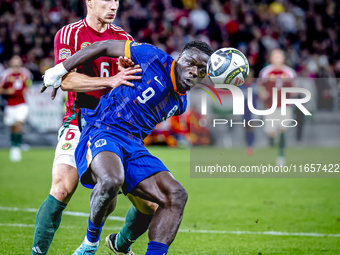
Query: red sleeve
pixel 63 44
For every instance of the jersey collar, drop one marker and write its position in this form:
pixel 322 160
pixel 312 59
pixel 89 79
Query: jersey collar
pixel 172 75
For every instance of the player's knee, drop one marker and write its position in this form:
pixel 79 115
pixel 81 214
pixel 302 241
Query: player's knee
pixel 110 186
pixel 177 197
pixel 62 192
pixel 64 182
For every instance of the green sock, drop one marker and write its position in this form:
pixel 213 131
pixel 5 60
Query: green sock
pixel 13 139
pixel 282 144
pixel 271 141
pixel 16 139
pixel 136 223
pixel 46 224
pixel 19 139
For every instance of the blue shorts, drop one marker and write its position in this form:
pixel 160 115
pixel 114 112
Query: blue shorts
pixel 248 115
pixel 138 163
pixel 247 112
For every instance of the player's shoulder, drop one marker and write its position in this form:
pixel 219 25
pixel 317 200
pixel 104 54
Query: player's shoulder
pixel 26 72
pixel 120 32
pixel 4 75
pixel 68 31
pixel 148 53
pixel 289 71
pixel 7 72
pixel 116 27
pixel 147 47
pixel 71 27
pixel 266 70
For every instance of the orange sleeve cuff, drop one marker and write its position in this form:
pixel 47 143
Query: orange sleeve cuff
pixel 127 51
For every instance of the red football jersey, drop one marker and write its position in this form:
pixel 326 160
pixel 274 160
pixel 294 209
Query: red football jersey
pixel 270 78
pixel 74 37
pixel 18 81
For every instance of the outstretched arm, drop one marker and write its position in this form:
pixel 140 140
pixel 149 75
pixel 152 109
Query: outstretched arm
pixel 71 82
pixel 9 91
pixel 108 48
pixel 78 82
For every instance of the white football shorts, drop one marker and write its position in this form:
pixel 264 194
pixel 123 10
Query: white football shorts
pixel 67 143
pixel 14 113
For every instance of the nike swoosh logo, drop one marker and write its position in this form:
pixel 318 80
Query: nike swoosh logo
pixel 156 79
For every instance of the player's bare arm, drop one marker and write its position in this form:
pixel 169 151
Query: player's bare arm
pixel 108 48
pixel 9 91
pixel 78 82
pixel 82 83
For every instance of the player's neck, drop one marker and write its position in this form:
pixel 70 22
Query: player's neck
pixel 277 67
pixel 15 70
pixel 94 23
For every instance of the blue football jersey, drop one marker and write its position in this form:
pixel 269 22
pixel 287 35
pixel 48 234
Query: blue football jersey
pixel 154 98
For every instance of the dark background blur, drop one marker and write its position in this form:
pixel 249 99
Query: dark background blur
pixel 307 30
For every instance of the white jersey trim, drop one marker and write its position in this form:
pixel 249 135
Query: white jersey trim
pixel 290 71
pixel 74 25
pixel 125 35
pixel 119 29
pixel 265 71
pixel 76 37
pixel 116 28
pixel 61 35
pixel 65 32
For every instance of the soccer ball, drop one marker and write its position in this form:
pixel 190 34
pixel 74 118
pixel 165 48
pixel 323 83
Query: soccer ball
pixel 228 66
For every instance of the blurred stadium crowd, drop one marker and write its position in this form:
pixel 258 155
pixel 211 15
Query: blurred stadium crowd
pixel 308 30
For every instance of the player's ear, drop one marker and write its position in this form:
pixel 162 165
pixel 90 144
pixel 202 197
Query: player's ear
pixel 89 3
pixel 180 55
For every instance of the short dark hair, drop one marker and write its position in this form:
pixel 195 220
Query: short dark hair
pixel 202 46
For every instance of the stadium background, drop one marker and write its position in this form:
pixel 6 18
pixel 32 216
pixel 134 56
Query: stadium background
pixel 307 30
